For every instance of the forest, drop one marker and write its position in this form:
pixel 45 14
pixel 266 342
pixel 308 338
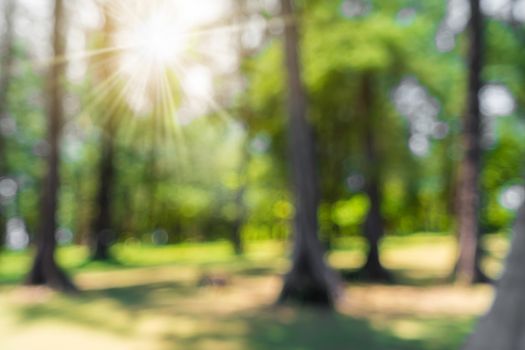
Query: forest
pixel 262 174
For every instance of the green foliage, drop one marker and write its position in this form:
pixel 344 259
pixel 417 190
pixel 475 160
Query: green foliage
pixel 351 212
pixel 183 178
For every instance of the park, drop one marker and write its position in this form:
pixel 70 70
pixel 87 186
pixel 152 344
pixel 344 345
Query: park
pixel 262 174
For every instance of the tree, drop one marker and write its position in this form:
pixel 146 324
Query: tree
pixel 373 227
pixel 243 110
pixel 6 67
pixel 240 206
pixel 354 89
pixel 468 268
pixel 102 226
pixel 503 327
pixel 310 280
pixel 45 270
pixel 101 234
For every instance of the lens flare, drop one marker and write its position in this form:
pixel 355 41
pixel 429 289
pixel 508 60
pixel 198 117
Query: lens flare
pixel 157 61
pixel 156 40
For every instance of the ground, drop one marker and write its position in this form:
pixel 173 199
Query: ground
pixel 200 296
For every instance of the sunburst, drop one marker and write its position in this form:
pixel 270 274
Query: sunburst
pixel 158 61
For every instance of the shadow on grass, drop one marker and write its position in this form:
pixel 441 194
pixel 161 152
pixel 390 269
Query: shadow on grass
pixel 256 271
pixel 399 277
pixel 13 279
pixel 142 297
pixel 119 310
pixel 109 263
pixel 111 310
pixel 298 329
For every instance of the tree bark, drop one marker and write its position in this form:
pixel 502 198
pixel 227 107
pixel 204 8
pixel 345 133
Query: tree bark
pixel 6 67
pixel 45 270
pixel 240 14
pixel 468 268
pixel 102 233
pixel 310 280
pixel 373 227
pixel 238 223
pixel 503 328
pixel 240 205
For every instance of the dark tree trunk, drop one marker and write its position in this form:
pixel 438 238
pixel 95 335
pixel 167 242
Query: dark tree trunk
pixel 102 231
pixel 151 174
pixel 374 231
pixel 310 280
pixel 45 270
pixel 236 236
pixel 503 328
pixel 468 196
pixel 240 217
pixel 373 227
pixel 102 226
pixel 6 67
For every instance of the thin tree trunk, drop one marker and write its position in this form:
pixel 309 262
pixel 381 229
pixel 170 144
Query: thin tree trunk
pixel 45 270
pixel 152 176
pixel 238 223
pixel 6 67
pixel 503 328
pixel 468 197
pixel 310 280
pixel 102 232
pixel 373 227
pixel 240 15
pixel 374 232
pixel 102 227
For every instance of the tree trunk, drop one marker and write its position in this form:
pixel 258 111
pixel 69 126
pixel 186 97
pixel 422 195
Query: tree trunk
pixel 503 328
pixel 310 280
pixel 374 231
pixel 45 270
pixel 102 233
pixel 373 227
pixel 468 269
pixel 102 226
pixel 236 236
pixel 152 178
pixel 6 67
pixel 240 205
pixel 240 15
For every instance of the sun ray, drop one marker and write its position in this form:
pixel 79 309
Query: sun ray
pixel 77 56
pixel 98 94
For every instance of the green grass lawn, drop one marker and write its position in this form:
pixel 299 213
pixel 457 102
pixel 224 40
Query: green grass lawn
pixel 154 298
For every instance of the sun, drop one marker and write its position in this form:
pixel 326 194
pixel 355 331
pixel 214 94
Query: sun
pixel 165 57
pixel 151 42
pixel 156 39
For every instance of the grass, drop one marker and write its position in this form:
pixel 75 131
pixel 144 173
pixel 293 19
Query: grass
pixel 154 298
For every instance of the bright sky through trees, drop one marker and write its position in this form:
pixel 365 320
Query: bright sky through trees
pixel 156 39
pixel 153 39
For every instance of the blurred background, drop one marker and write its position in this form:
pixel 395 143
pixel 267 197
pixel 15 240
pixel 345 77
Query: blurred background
pixel 155 153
